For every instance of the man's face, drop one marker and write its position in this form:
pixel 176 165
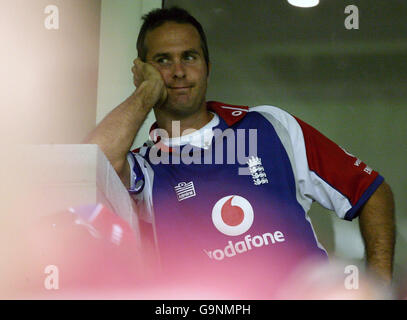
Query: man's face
pixel 175 50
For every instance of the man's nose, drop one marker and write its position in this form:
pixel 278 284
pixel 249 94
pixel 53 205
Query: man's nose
pixel 178 70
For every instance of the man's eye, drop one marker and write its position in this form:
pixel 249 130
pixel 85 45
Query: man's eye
pixel 189 58
pixel 163 61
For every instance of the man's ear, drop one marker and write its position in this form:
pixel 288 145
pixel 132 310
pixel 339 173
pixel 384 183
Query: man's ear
pixel 209 69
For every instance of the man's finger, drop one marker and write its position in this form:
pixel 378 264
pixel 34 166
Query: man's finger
pixel 138 62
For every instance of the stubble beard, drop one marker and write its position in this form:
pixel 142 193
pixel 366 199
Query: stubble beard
pixel 184 109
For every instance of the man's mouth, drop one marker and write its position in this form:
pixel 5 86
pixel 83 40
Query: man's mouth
pixel 180 88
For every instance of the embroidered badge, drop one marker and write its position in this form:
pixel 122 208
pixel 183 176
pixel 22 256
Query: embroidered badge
pixel 257 171
pixel 185 190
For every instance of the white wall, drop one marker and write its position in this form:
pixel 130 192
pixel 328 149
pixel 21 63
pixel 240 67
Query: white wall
pixel 120 24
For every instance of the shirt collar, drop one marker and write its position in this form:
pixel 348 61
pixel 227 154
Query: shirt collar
pixel 202 138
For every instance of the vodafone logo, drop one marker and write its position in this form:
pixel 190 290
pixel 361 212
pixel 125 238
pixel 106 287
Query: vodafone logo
pixel 232 215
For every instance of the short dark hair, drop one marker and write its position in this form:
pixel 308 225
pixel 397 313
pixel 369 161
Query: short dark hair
pixel 158 17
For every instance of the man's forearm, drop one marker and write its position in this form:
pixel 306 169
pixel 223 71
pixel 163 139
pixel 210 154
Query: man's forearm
pixel 116 132
pixel 377 225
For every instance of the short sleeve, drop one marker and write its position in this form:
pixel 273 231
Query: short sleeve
pixel 141 177
pixel 137 179
pixel 336 171
pixel 324 172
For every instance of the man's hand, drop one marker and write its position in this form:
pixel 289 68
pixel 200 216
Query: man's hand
pixel 115 133
pixel 146 74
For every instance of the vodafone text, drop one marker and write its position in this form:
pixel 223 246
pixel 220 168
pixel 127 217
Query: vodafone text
pixel 248 243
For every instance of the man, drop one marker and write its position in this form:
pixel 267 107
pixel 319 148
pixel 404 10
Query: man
pixel 212 213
